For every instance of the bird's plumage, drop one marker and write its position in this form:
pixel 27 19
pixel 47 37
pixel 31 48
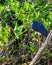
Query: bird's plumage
pixel 38 26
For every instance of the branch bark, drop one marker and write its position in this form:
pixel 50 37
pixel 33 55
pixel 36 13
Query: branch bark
pixel 43 46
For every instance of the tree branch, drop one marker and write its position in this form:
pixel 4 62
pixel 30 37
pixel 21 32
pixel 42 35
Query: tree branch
pixel 37 56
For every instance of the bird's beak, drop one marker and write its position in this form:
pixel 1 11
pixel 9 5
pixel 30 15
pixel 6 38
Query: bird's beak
pixel 31 23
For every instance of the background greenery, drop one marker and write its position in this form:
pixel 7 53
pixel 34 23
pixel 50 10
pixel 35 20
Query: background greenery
pixel 15 19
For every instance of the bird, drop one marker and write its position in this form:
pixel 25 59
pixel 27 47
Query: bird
pixel 39 27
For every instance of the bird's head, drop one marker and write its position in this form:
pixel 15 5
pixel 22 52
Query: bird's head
pixel 34 25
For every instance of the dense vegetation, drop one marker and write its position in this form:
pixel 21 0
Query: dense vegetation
pixel 15 29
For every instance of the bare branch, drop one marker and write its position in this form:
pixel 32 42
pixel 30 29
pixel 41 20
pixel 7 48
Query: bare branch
pixel 43 46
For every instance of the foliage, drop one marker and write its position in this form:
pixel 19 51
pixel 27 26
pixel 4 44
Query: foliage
pixel 15 19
